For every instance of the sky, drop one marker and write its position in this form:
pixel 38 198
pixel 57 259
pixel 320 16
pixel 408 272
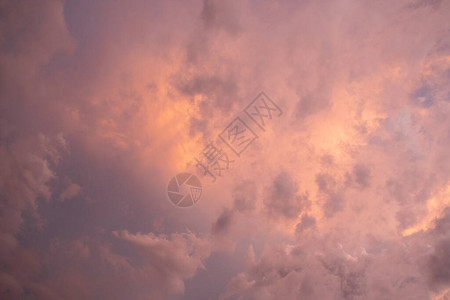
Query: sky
pixel 318 133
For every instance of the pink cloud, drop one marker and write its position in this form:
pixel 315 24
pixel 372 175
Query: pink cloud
pixel 344 196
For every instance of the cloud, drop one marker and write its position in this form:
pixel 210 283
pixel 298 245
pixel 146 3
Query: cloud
pixel 25 176
pixel 71 191
pixel 217 14
pixel 439 263
pixel 223 223
pixel 283 199
pixel 353 271
pixel 102 103
pixel 168 262
pixel 361 175
pixel 306 222
pixel 244 195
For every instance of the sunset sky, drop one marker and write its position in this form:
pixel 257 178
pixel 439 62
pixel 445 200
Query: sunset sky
pixel 344 193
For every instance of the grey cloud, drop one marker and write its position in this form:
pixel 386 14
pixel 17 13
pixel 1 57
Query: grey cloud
pixel 221 15
pixel 137 266
pixel 167 261
pixel 221 91
pixel 424 3
pixel 325 182
pixel 439 263
pixel 442 225
pixel 283 199
pixel 223 222
pixel 244 196
pixel 406 217
pixel 432 88
pixel 352 277
pixel 306 222
pixel 353 285
pixel 331 193
pixel 221 88
pixel 423 96
pixel 25 175
pixel 322 269
pixel 311 104
pixel 361 175
pixel 298 273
